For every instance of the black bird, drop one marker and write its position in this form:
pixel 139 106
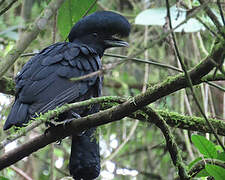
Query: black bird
pixel 45 83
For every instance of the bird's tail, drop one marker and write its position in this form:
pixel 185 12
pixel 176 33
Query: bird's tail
pixel 85 157
pixel 18 115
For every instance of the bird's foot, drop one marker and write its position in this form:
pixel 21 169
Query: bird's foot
pixel 75 115
pixel 50 126
pixel 78 116
pixel 132 101
pixel 58 142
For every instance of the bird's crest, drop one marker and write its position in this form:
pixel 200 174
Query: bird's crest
pixel 105 22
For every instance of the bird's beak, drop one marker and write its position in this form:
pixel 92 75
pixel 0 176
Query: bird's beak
pixel 113 42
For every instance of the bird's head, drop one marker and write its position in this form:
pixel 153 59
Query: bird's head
pixel 100 29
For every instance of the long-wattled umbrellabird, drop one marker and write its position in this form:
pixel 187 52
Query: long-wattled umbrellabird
pixel 44 83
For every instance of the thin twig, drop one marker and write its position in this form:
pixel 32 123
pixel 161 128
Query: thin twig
pixel 201 165
pixel 212 16
pixel 28 54
pixel 221 11
pixel 118 112
pixel 200 20
pixel 148 61
pixel 206 26
pixel 216 86
pixel 88 10
pixel 105 68
pixel 190 85
pixel 7 8
pixel 21 172
pixel 170 141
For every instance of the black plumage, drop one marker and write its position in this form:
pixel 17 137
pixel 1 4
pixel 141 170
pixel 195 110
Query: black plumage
pixel 45 83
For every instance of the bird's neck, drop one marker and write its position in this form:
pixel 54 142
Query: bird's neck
pixel 97 47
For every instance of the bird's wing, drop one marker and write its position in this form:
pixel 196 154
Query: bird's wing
pixel 45 81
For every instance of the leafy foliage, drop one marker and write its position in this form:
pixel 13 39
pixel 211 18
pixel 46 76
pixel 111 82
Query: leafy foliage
pixel 3 178
pixel 157 17
pixel 208 150
pixel 144 155
pixel 206 147
pixel 70 12
pixel 216 171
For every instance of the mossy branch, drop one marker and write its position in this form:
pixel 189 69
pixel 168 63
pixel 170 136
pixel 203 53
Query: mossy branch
pixel 50 115
pixel 173 119
pixel 117 112
pixel 170 142
pixel 200 165
pixel 7 85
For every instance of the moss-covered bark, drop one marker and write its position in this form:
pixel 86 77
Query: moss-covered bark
pixel 7 86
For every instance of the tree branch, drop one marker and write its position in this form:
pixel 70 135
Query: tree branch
pixel 211 15
pixel 201 165
pixel 118 112
pixel 172 119
pixel 170 142
pixel 115 113
pixel 7 85
pixel 21 173
pixel 8 7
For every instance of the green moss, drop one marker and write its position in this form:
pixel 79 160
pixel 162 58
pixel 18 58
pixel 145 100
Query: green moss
pixel 9 84
pixel 219 44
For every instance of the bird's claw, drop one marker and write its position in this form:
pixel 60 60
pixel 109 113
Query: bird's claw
pixel 67 121
pixel 133 101
pixel 50 125
pixel 75 115
pixel 58 142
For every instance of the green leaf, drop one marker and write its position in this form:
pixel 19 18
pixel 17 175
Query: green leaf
pixel 202 173
pixel 195 3
pixel 157 17
pixel 70 12
pixel 192 163
pixel 221 156
pixel 206 147
pixel 3 178
pixel 219 148
pixel 216 171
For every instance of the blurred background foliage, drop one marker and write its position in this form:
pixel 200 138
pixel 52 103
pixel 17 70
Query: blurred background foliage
pixel 129 150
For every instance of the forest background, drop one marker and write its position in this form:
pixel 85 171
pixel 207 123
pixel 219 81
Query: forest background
pixel 163 105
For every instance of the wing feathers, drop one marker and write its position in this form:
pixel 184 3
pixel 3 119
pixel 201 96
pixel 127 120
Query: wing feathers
pixel 44 82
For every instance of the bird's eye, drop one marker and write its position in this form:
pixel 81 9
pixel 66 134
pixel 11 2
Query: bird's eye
pixel 95 34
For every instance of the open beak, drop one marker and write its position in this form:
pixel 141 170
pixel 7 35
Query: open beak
pixel 113 42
